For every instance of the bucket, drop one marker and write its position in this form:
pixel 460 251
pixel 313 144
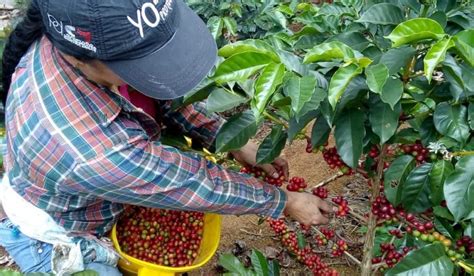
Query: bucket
pixel 209 243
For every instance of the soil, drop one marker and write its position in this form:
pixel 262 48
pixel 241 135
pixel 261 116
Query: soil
pixel 245 230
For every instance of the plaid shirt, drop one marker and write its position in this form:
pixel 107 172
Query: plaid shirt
pixel 82 152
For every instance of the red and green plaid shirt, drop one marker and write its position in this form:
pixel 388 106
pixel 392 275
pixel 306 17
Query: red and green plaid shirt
pixel 82 152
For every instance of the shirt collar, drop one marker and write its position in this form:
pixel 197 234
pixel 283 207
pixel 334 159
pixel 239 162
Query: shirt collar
pixel 49 61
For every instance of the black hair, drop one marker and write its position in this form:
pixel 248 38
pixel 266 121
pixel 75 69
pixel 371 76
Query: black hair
pixel 24 34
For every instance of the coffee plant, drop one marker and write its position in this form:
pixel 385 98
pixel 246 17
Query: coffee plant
pixel 240 19
pixel 393 83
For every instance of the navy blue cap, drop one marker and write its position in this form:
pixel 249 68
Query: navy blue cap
pixel 159 47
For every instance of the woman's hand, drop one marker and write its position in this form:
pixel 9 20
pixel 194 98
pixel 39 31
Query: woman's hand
pixel 247 156
pixel 307 208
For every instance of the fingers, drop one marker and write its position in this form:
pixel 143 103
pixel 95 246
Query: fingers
pixel 270 170
pixel 320 220
pixel 326 207
pixel 283 164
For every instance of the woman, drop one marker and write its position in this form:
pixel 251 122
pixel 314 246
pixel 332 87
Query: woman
pixel 79 150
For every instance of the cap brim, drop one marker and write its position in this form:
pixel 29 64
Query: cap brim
pixel 178 66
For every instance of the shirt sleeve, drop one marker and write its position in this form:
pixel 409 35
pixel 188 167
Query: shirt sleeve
pixel 147 173
pixel 193 120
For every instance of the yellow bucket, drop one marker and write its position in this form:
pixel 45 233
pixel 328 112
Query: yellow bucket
pixel 209 243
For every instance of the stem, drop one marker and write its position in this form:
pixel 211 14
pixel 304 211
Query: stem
pixel 372 222
pixel 279 122
pixel 275 119
pixel 463 153
pixel 424 11
pixel 408 70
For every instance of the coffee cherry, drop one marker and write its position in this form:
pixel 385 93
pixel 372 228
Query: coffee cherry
pixel 163 237
pixel 343 208
pixel 333 159
pixel 262 175
pixel 321 192
pixel 296 184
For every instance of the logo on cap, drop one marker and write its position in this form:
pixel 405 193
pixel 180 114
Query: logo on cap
pixel 151 21
pixel 72 34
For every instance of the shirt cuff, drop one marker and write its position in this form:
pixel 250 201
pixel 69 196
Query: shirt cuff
pixel 275 207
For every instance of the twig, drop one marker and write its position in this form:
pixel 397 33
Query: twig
pixel 354 259
pixel 329 180
pixel 372 222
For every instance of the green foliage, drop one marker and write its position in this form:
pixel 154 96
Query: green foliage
pixel 428 260
pixel 230 19
pixel 260 266
pixel 356 68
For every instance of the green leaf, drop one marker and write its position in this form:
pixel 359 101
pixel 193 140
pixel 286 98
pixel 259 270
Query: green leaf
pixel 397 58
pixel 384 120
pixel 451 121
pixel 356 39
pixel 416 190
pixel 428 131
pixel 459 188
pixel 415 30
pixel 444 227
pixel 428 260
pixel 249 45
pixel 435 55
pixel 465 45
pixel 274 268
pixel 328 51
pixel 300 91
pixel 301 240
pixel 313 104
pixel 442 212
pixel 349 134
pixel 293 62
pixel 295 126
pixel 232 264
pixel 240 67
pixel 221 100
pixel 441 170
pixel 215 24
pixel 259 263
pixel 383 13
pixel 272 145
pixel 340 80
pixel 320 132
pixel 377 76
pixel 236 132
pixel 230 24
pixel 470 115
pixel 395 176
pixel 454 76
pixel 266 84
pixel 392 92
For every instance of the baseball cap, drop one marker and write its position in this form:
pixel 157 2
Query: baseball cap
pixel 159 47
